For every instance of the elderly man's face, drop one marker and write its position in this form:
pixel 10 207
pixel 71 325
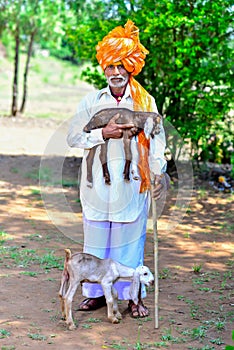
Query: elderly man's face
pixel 116 76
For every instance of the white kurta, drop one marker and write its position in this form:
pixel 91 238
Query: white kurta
pixel 120 201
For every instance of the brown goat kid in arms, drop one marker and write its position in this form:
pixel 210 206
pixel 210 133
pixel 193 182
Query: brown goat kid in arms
pixel 83 267
pixel 147 121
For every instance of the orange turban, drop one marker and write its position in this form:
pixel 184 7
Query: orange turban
pixel 123 44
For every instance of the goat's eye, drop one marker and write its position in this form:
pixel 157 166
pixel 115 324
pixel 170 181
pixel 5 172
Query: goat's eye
pixel 146 273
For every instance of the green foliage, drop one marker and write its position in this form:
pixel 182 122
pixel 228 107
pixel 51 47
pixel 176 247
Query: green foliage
pixel 94 77
pixel 188 70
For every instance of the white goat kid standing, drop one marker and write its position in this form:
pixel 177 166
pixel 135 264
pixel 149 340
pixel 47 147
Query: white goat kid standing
pixel 83 267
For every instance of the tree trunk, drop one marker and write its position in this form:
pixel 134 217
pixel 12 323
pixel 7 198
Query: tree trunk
pixel 14 109
pixel 29 53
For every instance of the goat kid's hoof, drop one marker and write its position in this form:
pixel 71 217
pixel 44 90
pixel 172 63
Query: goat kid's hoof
pixel 115 320
pixel 107 181
pixel 118 316
pixel 61 322
pixel 89 184
pixel 126 177
pixel 71 327
pixel 136 177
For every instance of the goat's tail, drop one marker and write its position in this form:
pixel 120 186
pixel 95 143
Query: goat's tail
pixel 65 274
pixel 64 282
pixel 68 254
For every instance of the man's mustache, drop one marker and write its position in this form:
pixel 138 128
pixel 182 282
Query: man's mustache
pixel 116 77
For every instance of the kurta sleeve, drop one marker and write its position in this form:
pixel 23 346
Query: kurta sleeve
pixel 76 136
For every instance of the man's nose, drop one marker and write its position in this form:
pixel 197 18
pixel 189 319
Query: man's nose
pixel 116 70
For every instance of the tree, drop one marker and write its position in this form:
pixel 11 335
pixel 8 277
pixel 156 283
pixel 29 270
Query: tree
pixel 191 61
pixel 3 17
pixel 43 19
pixel 188 70
pixel 30 21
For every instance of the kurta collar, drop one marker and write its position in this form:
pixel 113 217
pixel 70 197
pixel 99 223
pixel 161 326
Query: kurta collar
pixel 107 91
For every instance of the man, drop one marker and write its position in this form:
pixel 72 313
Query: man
pixel 115 215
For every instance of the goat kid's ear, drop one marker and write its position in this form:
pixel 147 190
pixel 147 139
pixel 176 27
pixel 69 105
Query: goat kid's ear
pixel 134 288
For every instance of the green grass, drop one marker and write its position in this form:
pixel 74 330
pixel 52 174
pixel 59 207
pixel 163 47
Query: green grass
pixel 35 192
pixel 26 258
pixel 4 333
pixel 37 336
pixel 4 237
pixel 197 268
pixel 29 273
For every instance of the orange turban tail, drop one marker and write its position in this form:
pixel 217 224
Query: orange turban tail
pixel 123 44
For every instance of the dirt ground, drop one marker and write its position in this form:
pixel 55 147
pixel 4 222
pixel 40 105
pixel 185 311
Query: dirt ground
pixel 195 259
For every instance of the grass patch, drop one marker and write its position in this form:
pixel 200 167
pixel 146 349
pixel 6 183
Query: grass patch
pixel 14 170
pixel 32 175
pixel 94 320
pixel 197 268
pixel 29 273
pixel 69 183
pixel 4 333
pixel 4 237
pixel 165 273
pixel 49 261
pixel 35 192
pixel 27 257
pixel 37 336
pixel 35 237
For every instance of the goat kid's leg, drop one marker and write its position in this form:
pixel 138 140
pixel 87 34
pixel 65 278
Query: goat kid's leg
pixel 128 155
pixel 115 304
pixel 103 159
pixel 62 291
pixel 68 304
pixel 110 303
pixel 126 172
pixel 135 160
pixel 89 162
pixel 62 303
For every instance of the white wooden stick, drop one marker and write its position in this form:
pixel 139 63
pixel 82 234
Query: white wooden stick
pixel 155 232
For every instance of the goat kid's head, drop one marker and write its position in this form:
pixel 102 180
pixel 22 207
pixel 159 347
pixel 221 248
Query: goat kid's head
pixel 143 275
pixel 152 125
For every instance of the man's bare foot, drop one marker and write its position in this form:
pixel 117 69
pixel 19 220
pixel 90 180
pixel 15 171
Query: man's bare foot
pixel 139 310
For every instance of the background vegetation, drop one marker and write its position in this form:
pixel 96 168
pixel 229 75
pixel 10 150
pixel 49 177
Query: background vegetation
pixel 188 70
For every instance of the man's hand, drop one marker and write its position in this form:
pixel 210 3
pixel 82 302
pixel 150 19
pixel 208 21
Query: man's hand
pixel 115 131
pixel 161 183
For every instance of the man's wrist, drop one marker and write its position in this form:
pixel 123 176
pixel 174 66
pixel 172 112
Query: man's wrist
pixel 104 138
